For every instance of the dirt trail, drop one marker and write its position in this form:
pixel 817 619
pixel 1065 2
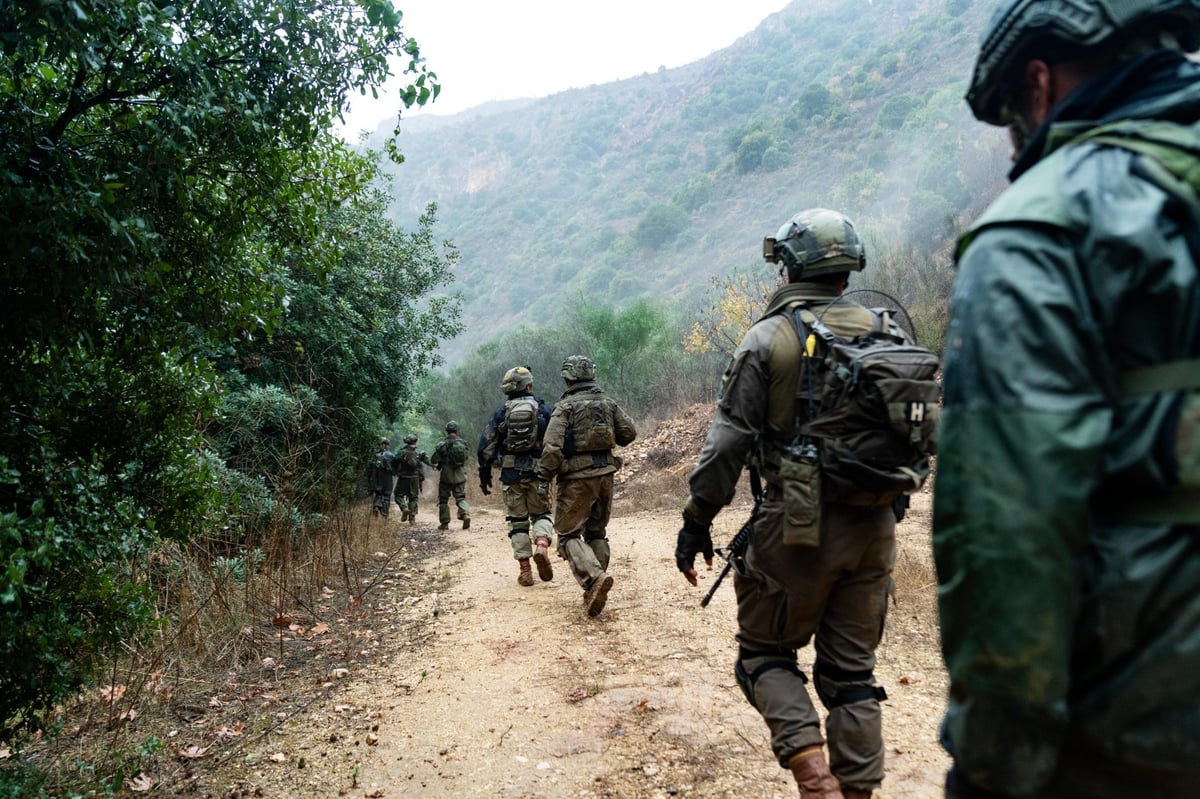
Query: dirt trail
pixel 515 692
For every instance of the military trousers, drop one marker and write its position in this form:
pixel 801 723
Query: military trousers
pixel 459 492
pixel 581 512
pixel 528 515
pixel 408 491
pixel 834 595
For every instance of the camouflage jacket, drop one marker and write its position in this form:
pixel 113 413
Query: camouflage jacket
pixel 445 454
pixel 560 455
pixel 514 467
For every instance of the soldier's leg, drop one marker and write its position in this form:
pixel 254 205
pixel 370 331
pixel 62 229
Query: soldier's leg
pixel 596 527
pixel 542 530
pixel 779 601
pixel 846 639
pixel 444 506
pixel 571 512
pixel 460 499
pixel 517 516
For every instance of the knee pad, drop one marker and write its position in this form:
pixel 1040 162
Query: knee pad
pixel 837 687
pixel 517 524
pixel 777 659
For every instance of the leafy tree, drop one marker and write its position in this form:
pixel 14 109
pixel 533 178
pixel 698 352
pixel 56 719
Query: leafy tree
pixel 660 225
pixel 157 161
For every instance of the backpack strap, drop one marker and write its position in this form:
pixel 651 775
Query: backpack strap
pixel 1180 375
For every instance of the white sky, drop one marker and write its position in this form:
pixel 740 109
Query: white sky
pixel 487 50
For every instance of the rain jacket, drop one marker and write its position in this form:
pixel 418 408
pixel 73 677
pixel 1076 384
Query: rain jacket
pixel 1066 543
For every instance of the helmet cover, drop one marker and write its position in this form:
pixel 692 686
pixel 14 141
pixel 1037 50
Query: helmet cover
pixel 814 242
pixel 578 367
pixel 518 378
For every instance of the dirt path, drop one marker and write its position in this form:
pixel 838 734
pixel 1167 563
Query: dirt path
pixel 469 685
pixel 513 691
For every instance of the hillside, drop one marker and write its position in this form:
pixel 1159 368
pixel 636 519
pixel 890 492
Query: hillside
pixel 652 185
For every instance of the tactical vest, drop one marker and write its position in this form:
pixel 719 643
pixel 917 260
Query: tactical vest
pixel 409 461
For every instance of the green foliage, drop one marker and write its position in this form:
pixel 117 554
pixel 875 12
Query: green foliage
pixel 660 226
pixel 895 111
pixel 158 162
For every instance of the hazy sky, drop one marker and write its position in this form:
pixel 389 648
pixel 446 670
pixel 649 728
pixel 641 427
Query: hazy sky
pixel 487 50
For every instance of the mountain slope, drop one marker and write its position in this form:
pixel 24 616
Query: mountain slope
pixel 653 185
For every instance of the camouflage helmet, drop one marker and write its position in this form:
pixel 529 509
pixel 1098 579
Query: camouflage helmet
pixel 1062 30
pixel 578 367
pixel 385 442
pixel 451 426
pixel 411 438
pixel 518 378
pixel 815 242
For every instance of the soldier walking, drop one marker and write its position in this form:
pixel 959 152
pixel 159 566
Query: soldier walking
pixel 450 459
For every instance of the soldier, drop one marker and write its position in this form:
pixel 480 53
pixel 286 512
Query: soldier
pixel 409 477
pixel 578 449
pixel 512 440
pixel 450 459
pixel 379 474
pixel 832 591
pixel 1067 512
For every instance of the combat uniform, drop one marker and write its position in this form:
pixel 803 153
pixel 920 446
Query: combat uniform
pixel 585 478
pixel 450 459
pixel 408 480
pixel 835 592
pixel 380 476
pixel 524 506
pixel 1069 601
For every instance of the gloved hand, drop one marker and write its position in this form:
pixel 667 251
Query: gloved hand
pixel 485 481
pixel 543 488
pixel 694 539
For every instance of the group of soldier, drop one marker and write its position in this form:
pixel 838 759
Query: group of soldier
pixel 565 454
pixel 1066 529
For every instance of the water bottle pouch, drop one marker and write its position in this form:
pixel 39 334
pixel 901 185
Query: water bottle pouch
pixel 801 484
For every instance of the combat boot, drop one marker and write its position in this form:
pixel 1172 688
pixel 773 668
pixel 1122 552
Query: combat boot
pixel 526 576
pixel 467 523
pixel 595 597
pixel 541 557
pixel 443 527
pixel 812 774
pixel 404 516
pixel 856 793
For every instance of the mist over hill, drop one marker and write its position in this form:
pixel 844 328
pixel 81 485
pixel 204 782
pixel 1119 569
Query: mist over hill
pixel 651 186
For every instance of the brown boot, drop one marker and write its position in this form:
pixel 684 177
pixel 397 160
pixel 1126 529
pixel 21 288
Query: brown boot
pixel 856 793
pixel 595 597
pixel 526 575
pixel 443 527
pixel 812 774
pixel 541 557
pixel 404 516
pixel 467 523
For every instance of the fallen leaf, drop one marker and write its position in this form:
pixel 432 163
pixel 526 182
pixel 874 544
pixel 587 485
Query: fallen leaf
pixel 339 674
pixel 320 629
pixel 372 739
pixel 139 783
pixel 192 752
pixel 279 757
pixel 281 620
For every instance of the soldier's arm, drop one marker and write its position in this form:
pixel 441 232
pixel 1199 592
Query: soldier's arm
pixel 623 429
pixel 550 462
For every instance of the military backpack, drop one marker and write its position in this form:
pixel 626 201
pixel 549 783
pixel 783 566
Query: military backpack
pixel 410 460
pixel 869 406
pixel 520 427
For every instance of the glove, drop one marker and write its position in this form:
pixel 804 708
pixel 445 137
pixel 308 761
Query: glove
pixel 694 539
pixel 543 488
pixel 485 481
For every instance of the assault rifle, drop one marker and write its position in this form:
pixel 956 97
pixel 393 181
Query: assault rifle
pixel 735 553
